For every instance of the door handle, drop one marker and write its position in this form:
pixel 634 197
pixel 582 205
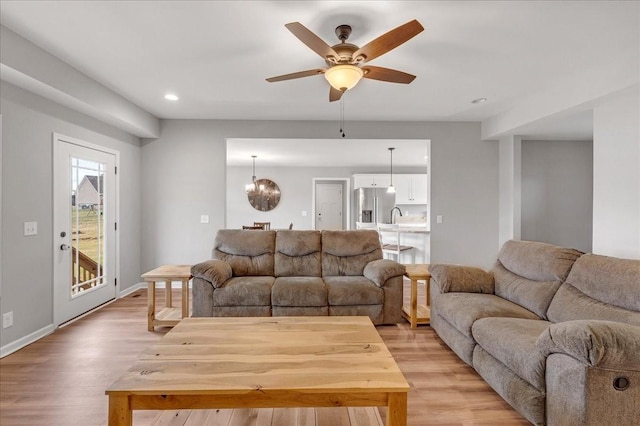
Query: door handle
pixel 64 247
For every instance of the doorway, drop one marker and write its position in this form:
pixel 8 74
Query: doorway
pixel 330 205
pixel 84 227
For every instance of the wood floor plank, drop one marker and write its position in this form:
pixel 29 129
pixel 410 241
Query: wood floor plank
pixel 218 417
pixel 333 416
pixel 361 416
pixel 197 417
pixel 61 378
pixel 172 418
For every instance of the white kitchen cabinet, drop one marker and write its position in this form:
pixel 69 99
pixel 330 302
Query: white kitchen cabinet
pixel 411 188
pixel 371 181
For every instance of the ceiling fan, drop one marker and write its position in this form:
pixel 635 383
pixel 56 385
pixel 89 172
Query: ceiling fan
pixel 343 59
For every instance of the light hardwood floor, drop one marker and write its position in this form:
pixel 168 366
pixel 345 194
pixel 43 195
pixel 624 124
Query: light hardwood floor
pixel 60 379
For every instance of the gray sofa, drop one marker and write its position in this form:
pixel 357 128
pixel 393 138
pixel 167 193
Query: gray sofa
pixel 554 331
pixel 296 272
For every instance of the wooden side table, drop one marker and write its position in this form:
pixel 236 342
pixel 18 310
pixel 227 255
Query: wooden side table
pixel 415 313
pixel 168 316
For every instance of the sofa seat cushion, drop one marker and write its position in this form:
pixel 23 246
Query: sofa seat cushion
pixel 461 310
pixel 299 291
pixel 345 291
pixel 512 341
pixel 244 291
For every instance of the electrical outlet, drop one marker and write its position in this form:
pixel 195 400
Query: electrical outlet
pixel 7 320
pixel 304 212
pixel 439 219
pixel 204 218
pixel 30 228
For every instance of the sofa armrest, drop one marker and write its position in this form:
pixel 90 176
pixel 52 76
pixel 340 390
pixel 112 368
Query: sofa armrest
pixel 602 344
pixel 217 272
pixel 461 279
pixel 379 271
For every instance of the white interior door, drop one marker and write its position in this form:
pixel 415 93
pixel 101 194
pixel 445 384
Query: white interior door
pixel 329 206
pixel 84 236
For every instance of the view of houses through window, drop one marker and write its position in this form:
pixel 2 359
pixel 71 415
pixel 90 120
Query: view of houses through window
pixel 87 225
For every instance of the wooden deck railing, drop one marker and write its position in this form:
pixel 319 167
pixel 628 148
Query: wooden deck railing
pixel 83 268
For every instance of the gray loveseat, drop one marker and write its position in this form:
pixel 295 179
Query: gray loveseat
pixel 554 331
pixel 296 272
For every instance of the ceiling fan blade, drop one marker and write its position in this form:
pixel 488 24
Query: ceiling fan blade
pixel 299 74
pixel 388 41
pixel 334 94
pixel 312 41
pixel 387 74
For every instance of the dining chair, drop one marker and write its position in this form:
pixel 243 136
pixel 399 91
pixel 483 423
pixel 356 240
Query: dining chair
pixel 252 228
pixel 265 225
pixel 391 245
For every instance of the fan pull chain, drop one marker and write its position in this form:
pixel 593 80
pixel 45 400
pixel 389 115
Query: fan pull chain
pixel 342 116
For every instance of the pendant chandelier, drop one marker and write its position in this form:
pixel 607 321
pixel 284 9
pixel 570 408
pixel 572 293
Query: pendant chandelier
pixel 252 186
pixel 391 189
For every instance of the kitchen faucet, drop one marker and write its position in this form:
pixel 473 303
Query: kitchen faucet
pixel 393 216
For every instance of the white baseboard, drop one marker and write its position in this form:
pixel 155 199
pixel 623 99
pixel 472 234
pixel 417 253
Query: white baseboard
pixel 127 291
pixel 16 345
pixel 159 286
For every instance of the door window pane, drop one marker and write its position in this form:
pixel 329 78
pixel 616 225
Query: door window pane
pixel 87 225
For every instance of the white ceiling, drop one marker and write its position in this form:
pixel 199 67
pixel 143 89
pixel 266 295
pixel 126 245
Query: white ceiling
pixel 327 152
pixel 215 55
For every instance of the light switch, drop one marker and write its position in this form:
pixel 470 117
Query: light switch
pixel 439 219
pixel 30 228
pixel 304 212
pixel 204 218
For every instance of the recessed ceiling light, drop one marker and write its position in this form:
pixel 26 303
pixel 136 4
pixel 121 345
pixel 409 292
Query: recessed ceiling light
pixel 479 100
pixel 170 97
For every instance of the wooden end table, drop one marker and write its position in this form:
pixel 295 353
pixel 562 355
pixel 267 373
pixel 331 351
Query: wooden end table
pixel 415 313
pixel 169 316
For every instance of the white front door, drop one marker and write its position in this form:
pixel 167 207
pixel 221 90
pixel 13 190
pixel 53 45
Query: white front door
pixel 84 221
pixel 329 206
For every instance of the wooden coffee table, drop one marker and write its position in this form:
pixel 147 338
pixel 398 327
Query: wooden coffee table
pixel 267 362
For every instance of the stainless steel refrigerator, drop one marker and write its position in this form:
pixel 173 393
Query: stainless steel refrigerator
pixel 373 205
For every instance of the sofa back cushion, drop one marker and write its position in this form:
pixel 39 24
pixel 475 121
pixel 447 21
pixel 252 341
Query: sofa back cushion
pixel 248 252
pixel 348 252
pixel 298 254
pixel 599 287
pixel 529 273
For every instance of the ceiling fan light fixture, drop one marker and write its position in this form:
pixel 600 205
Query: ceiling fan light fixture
pixel 343 77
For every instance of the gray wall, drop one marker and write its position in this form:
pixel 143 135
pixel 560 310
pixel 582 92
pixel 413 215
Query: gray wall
pixel 27 262
pixel 184 176
pixel 616 175
pixel 296 184
pixel 557 192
